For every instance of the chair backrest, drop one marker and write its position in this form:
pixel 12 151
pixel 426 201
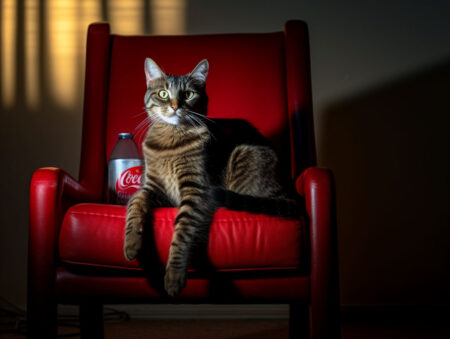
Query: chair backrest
pixel 261 78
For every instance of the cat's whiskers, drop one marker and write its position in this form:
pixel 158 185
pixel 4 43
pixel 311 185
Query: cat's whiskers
pixel 202 116
pixel 141 127
pixel 196 122
pixel 150 121
pixel 141 112
pixel 143 122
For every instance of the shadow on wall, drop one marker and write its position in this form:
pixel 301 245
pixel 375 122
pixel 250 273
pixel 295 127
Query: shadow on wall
pixel 389 152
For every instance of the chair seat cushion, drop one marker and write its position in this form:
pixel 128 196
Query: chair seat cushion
pixel 92 235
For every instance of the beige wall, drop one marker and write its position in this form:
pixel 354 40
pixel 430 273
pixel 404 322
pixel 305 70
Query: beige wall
pixel 380 84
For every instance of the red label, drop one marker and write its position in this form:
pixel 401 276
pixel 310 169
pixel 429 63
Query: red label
pixel 129 181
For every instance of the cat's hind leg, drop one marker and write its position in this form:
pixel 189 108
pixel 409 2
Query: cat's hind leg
pixel 251 170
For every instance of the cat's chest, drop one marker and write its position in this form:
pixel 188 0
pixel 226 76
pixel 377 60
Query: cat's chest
pixel 171 185
pixel 170 170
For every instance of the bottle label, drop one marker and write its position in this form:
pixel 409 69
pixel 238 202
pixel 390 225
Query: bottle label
pixel 129 181
pixel 124 179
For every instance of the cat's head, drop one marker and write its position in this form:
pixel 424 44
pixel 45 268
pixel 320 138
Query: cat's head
pixel 176 99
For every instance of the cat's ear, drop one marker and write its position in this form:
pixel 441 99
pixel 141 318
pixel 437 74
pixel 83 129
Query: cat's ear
pixel 200 71
pixel 152 71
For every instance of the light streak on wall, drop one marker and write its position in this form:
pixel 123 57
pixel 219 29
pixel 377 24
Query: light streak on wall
pixel 8 57
pixel 62 42
pixel 60 26
pixel 68 22
pixel 168 16
pixel 90 12
pixel 126 16
pixel 32 45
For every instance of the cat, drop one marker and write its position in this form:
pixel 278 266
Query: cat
pixel 197 164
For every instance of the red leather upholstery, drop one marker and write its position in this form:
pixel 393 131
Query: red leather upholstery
pixel 72 287
pixel 75 239
pixel 92 235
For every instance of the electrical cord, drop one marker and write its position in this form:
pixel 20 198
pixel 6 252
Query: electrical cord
pixel 13 320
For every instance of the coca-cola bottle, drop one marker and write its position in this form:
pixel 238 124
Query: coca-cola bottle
pixel 125 170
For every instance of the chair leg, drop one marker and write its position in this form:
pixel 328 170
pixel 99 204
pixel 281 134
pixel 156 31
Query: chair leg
pixel 325 319
pixel 298 320
pixel 91 320
pixel 41 318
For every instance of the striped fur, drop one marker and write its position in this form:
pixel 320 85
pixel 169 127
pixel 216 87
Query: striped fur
pixel 190 162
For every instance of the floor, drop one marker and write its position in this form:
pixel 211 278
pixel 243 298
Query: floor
pixel 252 329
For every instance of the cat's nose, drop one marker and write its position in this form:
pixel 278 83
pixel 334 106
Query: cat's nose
pixel 174 106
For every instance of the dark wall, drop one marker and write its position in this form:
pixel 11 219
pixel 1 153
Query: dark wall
pixel 388 148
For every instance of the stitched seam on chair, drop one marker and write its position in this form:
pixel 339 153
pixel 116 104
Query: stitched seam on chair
pixel 219 269
pixel 98 214
pixel 264 219
pixel 256 268
pixel 104 215
pixel 106 265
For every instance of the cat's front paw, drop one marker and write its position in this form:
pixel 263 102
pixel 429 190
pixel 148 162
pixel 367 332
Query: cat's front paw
pixel 174 280
pixel 132 245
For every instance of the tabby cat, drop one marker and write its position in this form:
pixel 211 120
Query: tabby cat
pixel 196 164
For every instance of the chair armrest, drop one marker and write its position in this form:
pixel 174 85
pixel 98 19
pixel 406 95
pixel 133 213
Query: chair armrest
pixel 316 185
pixel 52 192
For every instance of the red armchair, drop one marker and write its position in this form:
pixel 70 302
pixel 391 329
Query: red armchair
pixel 75 238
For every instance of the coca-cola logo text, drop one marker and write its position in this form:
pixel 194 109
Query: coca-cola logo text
pixel 129 180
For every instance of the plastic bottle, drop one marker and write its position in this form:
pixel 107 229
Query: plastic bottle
pixel 125 170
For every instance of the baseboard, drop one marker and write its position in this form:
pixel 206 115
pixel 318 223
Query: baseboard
pixel 185 311
pixel 395 313
pixel 349 313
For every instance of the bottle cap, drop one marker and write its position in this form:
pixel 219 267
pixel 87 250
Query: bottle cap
pixel 125 136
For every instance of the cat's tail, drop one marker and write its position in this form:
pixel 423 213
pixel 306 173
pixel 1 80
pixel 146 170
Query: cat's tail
pixel 282 207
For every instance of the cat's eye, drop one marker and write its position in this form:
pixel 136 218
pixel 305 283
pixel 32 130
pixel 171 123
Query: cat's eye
pixel 163 94
pixel 189 95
